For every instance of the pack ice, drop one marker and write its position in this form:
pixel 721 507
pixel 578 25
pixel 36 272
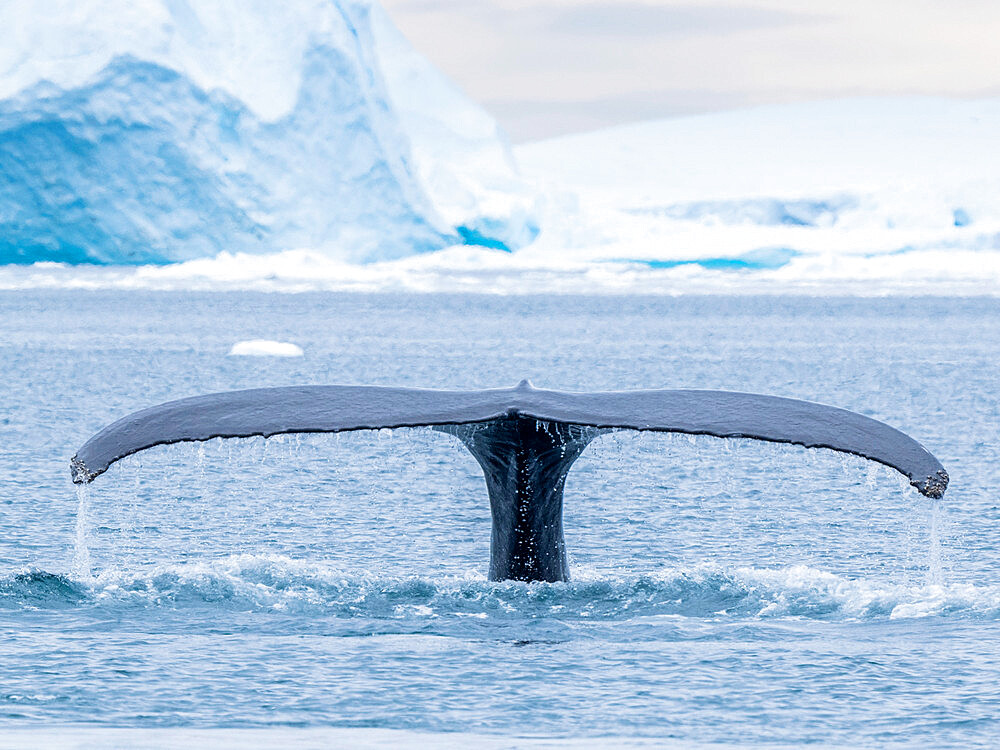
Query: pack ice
pixel 153 131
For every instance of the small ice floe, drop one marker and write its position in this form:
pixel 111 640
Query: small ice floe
pixel 265 348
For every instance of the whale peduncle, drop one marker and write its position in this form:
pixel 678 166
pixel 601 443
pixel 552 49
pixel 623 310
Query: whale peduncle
pixel 525 462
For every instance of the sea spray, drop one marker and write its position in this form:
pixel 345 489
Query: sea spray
pixel 935 576
pixel 271 583
pixel 81 552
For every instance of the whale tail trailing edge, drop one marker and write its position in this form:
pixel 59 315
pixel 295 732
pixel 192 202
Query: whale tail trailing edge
pixel 525 439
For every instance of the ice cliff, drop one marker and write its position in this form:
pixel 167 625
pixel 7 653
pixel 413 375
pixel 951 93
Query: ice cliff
pixel 152 131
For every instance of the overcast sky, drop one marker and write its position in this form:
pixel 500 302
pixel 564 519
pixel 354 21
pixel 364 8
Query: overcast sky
pixel 556 66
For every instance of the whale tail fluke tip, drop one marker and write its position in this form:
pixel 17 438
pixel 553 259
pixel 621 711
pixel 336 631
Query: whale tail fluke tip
pixel 80 473
pixel 934 485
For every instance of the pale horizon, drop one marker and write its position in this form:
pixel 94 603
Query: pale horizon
pixel 560 66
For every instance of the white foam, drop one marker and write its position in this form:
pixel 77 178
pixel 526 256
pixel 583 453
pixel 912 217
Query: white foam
pixel 797 591
pixel 798 588
pixel 265 348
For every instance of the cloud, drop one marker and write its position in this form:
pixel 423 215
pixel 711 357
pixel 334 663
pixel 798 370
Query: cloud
pixel 550 66
pixel 527 119
pixel 610 17
pixel 641 19
pixel 430 6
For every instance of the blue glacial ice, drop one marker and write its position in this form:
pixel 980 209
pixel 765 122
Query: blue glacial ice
pixel 175 131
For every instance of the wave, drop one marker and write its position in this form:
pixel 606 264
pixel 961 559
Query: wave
pixel 277 584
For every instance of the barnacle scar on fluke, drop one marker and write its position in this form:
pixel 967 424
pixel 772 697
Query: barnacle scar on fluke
pixel 524 438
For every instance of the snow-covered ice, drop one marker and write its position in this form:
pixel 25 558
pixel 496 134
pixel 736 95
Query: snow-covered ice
pixel 901 189
pixel 867 196
pixel 306 145
pixel 265 348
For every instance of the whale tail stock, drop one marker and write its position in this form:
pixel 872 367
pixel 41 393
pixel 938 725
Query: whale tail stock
pixel 524 438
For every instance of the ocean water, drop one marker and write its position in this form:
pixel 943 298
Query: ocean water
pixel 331 589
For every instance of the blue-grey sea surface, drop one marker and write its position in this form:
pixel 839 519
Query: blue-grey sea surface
pixel 723 591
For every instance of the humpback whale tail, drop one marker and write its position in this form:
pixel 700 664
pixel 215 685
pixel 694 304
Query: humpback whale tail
pixel 524 438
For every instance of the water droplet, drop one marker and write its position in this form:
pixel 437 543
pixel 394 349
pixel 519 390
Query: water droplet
pixel 81 552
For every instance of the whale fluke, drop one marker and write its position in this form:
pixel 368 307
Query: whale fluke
pixel 524 438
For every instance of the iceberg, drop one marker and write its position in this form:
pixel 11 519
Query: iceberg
pixel 166 130
pixel 265 348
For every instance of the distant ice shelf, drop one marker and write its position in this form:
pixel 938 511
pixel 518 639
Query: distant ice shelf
pixel 849 189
